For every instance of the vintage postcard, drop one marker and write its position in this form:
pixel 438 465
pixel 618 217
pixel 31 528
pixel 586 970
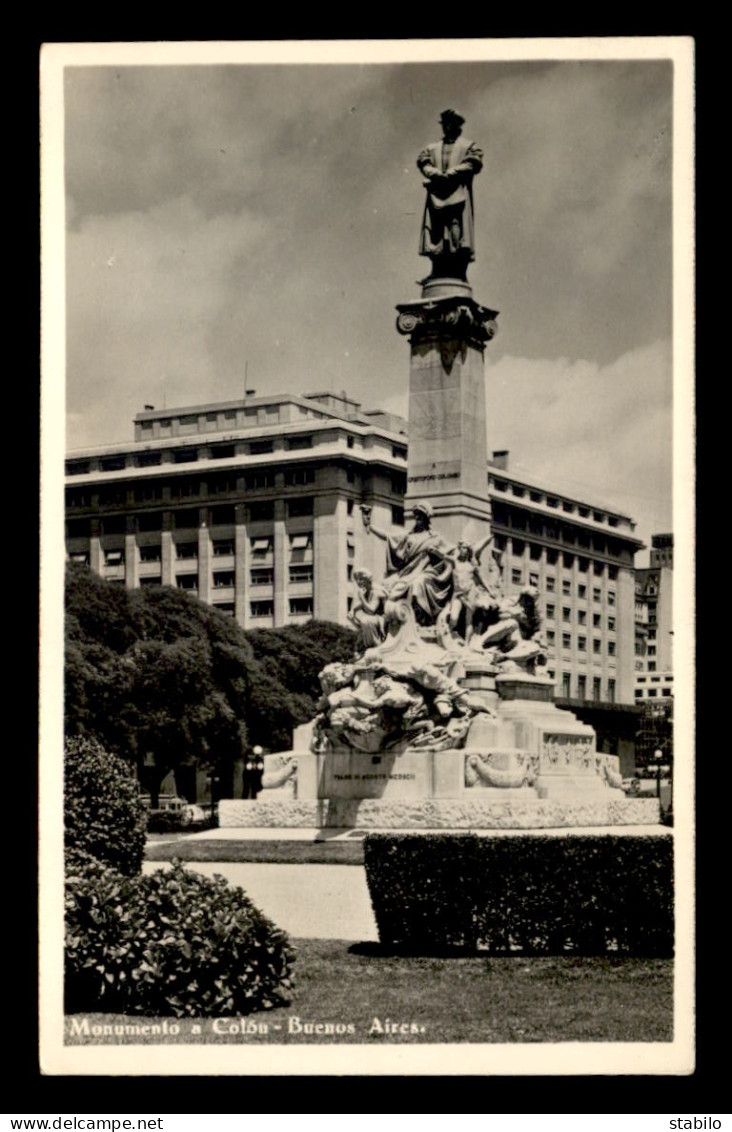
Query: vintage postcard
pixel 367 558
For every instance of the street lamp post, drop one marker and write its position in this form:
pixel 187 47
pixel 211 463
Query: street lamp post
pixel 658 755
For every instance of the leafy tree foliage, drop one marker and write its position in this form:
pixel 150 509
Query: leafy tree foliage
pixel 103 814
pixel 155 672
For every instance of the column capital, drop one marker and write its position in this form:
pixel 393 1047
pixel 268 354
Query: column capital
pixel 456 317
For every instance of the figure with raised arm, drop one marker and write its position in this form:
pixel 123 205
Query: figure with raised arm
pixel 474 597
pixel 417 567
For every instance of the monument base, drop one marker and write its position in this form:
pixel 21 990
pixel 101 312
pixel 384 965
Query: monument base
pixel 484 812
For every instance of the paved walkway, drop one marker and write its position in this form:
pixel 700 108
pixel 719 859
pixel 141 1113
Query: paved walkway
pixel 306 901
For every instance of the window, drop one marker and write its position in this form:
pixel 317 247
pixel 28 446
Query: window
pixel 566 684
pixel 596 620
pixel 534 552
pixel 114 525
pixel 611 624
pixel 184 488
pixel 261 512
pixel 596 646
pixel 187 424
pixel 399 453
pixel 653 692
pixel 300 574
pixel 550 637
pixel 533 579
pixel 349 506
pixel 550 612
pixel 566 640
pixel 516 577
pixel 186 550
pixel 517 548
pixel 261 547
pixel 551 501
pixel 568 507
pixel 651 650
pixel 651 666
pixel 225 607
pixel 597 569
pixel 113 497
pixel 500 485
pixel 519 492
pixel 81 556
pixel 581 617
pixel 221 451
pixel 349 441
pixel 582 687
pixel 148 492
pixel 261 448
pixel 596 688
pixel 296 508
pixel 152 521
pixel 597 594
pixel 222 547
pixel 300 605
pixel 611 648
pixel 566 613
pixel 611 597
pixel 535 496
pixel 549 584
pixel 77 467
pixel 150 580
pixel 552 557
pixel 398 485
pixel 598 516
pixel 397 516
pixel 221 485
pixel 566 586
pixel 666 691
pixel 223 578
pixel 150 553
pixel 350 475
pixel 114 557
pixel 295 443
pixel 612 573
pixel 78 528
pixel 112 463
pixel 611 691
pixel 568 560
pixel 261 576
pixel 185 455
pixel 582 565
pixel 582 591
pixel 582 644
pixel 261 608
pixel 651 634
pixel 296 477
pixel 638 693
pixel 78 497
pixel 224 515
pixel 301 542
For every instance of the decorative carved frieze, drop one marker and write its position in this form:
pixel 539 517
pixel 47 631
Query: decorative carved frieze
pixel 458 319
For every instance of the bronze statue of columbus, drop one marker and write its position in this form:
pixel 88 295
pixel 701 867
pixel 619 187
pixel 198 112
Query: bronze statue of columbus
pixel 448 166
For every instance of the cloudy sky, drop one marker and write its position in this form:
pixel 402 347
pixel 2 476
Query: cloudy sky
pixel 232 217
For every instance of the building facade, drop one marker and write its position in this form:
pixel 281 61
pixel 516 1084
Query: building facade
pixel 654 623
pixel 253 506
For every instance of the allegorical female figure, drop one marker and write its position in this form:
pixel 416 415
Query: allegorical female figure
pixel 367 612
pixel 448 166
pixel 417 568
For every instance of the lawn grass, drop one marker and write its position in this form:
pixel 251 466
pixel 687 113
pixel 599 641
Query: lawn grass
pixel 465 999
pixel 258 852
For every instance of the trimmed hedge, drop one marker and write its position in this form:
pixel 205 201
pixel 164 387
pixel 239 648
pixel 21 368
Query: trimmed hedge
pixel 173 942
pixel 537 894
pixel 103 813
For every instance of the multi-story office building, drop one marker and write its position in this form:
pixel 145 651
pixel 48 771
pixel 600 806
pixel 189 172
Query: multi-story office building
pixel 654 623
pixel 252 505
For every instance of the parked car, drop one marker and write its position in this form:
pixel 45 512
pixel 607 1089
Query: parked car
pixel 188 813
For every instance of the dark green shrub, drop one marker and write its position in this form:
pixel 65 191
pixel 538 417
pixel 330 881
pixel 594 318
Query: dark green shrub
pixel 173 942
pixel 535 894
pixel 103 814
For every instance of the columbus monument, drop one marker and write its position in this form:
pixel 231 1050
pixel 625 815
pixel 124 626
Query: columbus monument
pixel 444 717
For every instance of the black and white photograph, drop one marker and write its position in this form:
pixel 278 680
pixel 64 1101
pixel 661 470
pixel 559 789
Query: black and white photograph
pixel 367 558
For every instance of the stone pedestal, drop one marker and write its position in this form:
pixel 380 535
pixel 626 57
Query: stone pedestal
pixel 447 463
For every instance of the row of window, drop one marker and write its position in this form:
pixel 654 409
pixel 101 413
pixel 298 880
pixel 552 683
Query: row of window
pixel 651 693
pixel 580 690
pixel 581 617
pixel 581 643
pixel 549 585
pixel 555 557
pixel 565 505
